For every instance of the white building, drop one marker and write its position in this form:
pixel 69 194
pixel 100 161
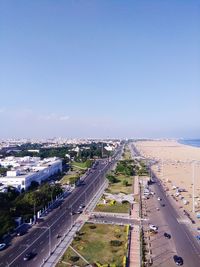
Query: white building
pixel 31 170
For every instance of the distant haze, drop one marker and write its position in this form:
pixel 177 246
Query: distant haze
pixel 100 69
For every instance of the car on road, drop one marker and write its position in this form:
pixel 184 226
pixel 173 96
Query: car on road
pixel 153 227
pixel 198 229
pixel 82 206
pixel 167 235
pixel 162 205
pixel 20 233
pixel 72 212
pixel 78 211
pixel 178 260
pixel 28 256
pixel 198 237
pixel 2 246
pixel 159 198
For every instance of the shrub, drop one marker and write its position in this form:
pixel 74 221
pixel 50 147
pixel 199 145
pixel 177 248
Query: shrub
pixel 74 258
pixel 117 235
pixel 112 179
pixel 92 226
pixel 116 243
pixel 125 182
pixel 77 238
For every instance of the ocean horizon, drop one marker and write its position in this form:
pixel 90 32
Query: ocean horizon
pixel 190 142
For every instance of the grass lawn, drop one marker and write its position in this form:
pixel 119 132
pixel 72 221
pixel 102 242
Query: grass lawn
pixel 118 187
pixel 94 245
pixel 127 154
pixel 65 178
pixel 116 208
pixel 65 260
pixel 80 165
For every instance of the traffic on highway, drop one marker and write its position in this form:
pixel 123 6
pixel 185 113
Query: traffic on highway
pixel 38 243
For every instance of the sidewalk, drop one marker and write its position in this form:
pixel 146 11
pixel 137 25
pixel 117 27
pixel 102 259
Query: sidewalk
pixel 134 254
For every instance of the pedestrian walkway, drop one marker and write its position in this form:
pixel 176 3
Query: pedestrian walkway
pixel 134 253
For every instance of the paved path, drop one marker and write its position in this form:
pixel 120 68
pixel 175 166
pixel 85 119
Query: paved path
pixel 134 253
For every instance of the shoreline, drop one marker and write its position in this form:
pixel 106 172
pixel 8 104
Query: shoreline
pixel 177 166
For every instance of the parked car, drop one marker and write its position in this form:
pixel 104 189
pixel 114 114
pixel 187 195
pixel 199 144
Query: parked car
pixel 167 235
pixel 82 206
pixel 198 237
pixel 28 256
pixel 159 198
pixel 153 227
pixel 178 260
pixel 20 233
pixel 78 211
pixel 2 246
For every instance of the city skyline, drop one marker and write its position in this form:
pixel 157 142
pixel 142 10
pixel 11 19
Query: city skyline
pixel 96 69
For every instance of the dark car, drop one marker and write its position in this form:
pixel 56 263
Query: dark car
pixel 28 256
pixel 163 205
pixel 21 233
pixel 178 260
pixel 167 235
pixel 2 246
pixel 82 206
pixel 79 211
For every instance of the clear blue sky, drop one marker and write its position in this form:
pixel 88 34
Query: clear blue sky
pixel 106 68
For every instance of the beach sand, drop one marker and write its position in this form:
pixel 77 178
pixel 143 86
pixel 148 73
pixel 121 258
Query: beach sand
pixel 175 168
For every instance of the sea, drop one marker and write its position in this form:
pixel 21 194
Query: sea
pixel 190 142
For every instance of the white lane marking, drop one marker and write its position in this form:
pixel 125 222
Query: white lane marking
pixel 42 250
pixel 10 255
pixel 41 242
pixel 34 249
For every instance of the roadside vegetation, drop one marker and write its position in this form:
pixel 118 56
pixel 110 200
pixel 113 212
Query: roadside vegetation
pixel 114 207
pixel 99 244
pixel 25 205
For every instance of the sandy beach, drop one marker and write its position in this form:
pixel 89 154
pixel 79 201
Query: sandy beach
pixel 177 163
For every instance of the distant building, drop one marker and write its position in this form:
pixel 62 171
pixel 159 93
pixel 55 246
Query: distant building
pixel 28 169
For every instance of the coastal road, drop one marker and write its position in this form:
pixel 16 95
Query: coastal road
pixel 43 238
pixel 170 220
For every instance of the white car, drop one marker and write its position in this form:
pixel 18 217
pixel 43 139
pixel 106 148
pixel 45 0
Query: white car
pixel 159 198
pixel 153 227
pixel 2 246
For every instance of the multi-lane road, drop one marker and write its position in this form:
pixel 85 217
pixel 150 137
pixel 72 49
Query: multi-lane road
pixel 42 238
pixel 172 221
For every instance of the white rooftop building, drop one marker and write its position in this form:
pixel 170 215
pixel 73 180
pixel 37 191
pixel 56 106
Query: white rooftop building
pixel 27 169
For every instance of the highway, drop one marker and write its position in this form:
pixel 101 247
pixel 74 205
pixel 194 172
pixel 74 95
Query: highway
pixel 42 238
